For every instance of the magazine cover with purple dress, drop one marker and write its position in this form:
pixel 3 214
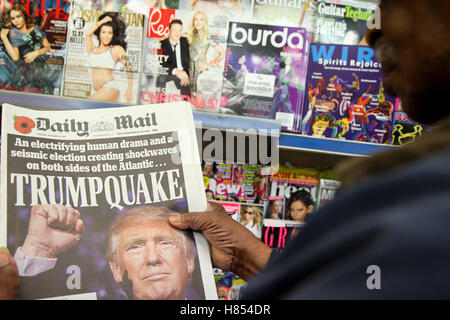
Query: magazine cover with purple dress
pixel 265 72
pixel 346 98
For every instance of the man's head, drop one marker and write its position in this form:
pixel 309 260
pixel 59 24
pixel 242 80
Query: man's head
pixel 157 259
pixel 175 30
pixel 413 46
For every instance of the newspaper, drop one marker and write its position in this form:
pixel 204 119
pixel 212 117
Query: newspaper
pixel 66 176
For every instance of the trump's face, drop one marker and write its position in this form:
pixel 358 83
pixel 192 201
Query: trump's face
pixel 154 257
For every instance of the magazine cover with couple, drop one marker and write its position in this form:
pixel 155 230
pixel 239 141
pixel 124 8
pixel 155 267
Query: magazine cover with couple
pixel 184 57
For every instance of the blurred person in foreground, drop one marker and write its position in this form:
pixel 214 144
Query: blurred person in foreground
pixel 393 209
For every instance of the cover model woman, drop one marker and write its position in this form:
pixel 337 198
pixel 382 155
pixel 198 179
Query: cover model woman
pixel 251 218
pixel 275 209
pixel 200 41
pixel 300 206
pixel 24 47
pixel 110 32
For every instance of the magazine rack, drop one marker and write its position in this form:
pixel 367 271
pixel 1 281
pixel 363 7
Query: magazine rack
pixel 323 153
pixel 208 120
pixel 294 149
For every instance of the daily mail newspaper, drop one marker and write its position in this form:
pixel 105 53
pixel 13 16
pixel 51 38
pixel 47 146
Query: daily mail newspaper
pixel 85 200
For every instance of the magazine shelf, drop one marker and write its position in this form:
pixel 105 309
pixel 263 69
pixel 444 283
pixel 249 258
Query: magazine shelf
pixel 318 152
pixel 293 147
pixel 332 146
pixel 203 119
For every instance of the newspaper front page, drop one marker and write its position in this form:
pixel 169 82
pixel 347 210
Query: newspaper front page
pixel 85 200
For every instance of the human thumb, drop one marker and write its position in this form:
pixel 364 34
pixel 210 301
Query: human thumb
pixel 5 257
pixel 199 221
pixel 185 221
pixel 9 276
pixel 178 221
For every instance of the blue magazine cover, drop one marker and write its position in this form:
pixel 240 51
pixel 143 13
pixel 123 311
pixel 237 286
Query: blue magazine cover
pixel 346 98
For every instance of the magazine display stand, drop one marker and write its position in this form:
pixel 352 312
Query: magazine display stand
pixel 294 148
